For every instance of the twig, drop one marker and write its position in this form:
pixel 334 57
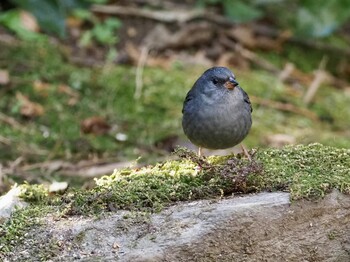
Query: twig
pixel 5 140
pixel 97 170
pixel 9 40
pixel 10 121
pixel 183 16
pixel 286 72
pixel 284 107
pixel 139 71
pixel 249 55
pixel 271 32
pixel 320 77
pixel 82 169
pixel 256 59
pixel 180 16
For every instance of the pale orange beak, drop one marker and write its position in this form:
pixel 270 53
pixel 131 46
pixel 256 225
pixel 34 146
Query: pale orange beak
pixel 231 83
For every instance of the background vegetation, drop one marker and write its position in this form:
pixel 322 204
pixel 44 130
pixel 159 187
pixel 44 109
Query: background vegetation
pixel 70 71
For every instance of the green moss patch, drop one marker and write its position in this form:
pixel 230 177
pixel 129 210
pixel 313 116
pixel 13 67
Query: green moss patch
pixel 306 171
pixel 153 187
pixel 14 230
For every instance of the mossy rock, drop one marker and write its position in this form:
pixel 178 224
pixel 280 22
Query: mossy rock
pixel 306 171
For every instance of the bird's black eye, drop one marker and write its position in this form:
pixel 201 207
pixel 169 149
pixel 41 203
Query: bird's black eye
pixel 215 81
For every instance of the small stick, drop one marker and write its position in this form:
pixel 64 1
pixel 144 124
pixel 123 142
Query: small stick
pixel 284 107
pixel 10 121
pixel 139 72
pixel 5 140
pixel 320 77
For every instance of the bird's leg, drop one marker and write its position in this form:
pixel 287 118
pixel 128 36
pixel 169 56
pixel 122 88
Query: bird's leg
pixel 245 152
pixel 199 151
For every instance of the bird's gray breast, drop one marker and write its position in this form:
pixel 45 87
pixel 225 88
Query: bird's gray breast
pixel 218 122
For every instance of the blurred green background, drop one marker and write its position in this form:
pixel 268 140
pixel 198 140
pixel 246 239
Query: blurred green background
pixel 70 71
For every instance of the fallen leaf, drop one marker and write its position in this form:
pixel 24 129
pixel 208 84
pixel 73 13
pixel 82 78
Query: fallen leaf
pixel 4 77
pixel 29 22
pixel 268 44
pixel 134 54
pixel 244 34
pixel 95 125
pixel 65 89
pixel 41 88
pixel 131 31
pixel 29 108
pixel 74 22
pixel 74 96
pixel 233 59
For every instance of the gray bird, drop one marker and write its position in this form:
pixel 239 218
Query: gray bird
pixel 216 111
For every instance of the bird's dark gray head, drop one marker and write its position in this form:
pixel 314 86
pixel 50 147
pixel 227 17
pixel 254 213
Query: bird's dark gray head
pixel 217 78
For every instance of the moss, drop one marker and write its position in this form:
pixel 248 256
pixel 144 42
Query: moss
pixel 79 237
pixel 13 231
pixel 33 193
pixel 307 171
pixel 332 234
pixel 152 187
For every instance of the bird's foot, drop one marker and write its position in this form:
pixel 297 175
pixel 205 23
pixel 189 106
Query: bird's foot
pixel 199 151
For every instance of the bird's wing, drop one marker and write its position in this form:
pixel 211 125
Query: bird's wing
pixel 189 97
pixel 247 100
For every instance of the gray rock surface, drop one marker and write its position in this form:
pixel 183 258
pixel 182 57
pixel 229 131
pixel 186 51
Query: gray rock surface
pixel 258 227
pixel 9 202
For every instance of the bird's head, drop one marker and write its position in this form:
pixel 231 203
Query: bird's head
pixel 219 78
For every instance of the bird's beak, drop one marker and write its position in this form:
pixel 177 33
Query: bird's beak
pixel 231 83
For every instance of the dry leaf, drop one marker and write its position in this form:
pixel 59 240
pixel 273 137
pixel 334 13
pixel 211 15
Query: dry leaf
pixel 41 88
pixel 29 108
pixel 268 44
pixel 95 125
pixel 64 89
pixel 153 61
pixel 131 31
pixel 28 21
pixel 74 22
pixel 233 59
pixel 74 96
pixel 4 77
pixel 243 34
